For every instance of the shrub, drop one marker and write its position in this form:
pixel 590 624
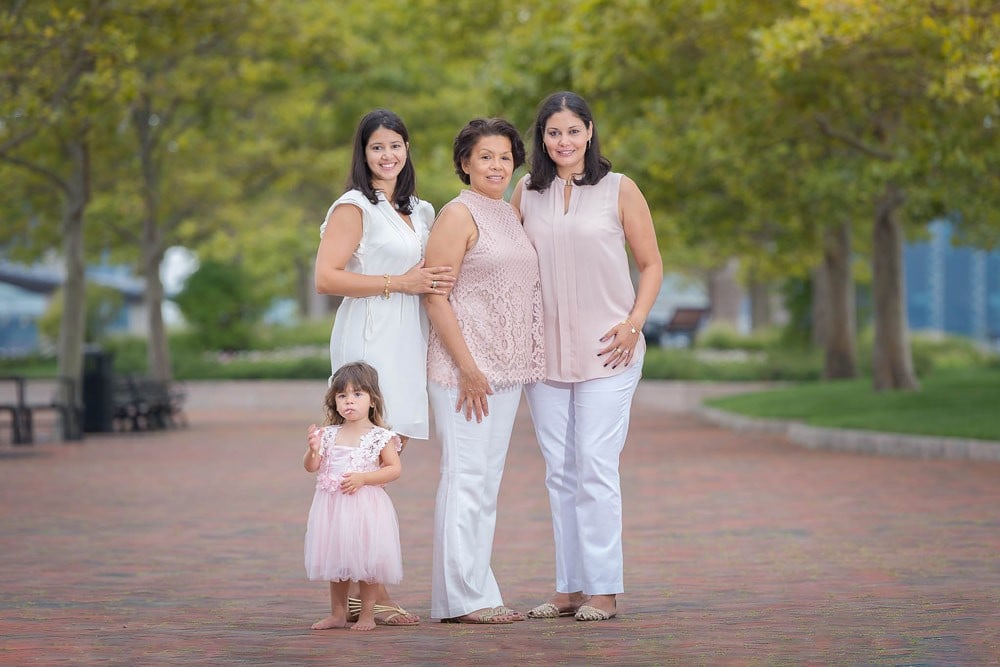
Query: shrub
pixel 778 365
pixel 722 336
pixel 221 306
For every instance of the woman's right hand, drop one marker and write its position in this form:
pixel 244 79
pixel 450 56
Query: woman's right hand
pixel 426 280
pixel 473 388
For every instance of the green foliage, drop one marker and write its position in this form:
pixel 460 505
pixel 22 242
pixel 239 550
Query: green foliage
pixel 282 353
pixel 220 304
pixel 297 368
pixel 955 403
pixel 302 352
pixel 732 365
pixel 798 302
pixel 35 365
pixel 721 336
pixel 308 333
pixel 103 307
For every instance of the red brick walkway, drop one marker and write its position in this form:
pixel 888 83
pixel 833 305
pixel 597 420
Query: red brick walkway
pixel 185 548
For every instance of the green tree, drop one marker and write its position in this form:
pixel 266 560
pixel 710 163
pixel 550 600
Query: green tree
pixel 878 80
pixel 220 304
pixel 191 86
pixel 59 66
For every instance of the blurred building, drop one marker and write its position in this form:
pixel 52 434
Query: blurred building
pixel 27 290
pixel 952 289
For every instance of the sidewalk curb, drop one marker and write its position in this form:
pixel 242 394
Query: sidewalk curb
pixel 861 442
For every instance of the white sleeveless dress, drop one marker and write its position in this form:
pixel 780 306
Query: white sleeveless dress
pixel 390 334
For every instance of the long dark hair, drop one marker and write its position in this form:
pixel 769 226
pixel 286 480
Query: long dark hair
pixel 475 130
pixel 543 169
pixel 361 176
pixel 355 375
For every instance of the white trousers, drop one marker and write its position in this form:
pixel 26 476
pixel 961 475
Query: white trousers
pixel 581 429
pixel 472 462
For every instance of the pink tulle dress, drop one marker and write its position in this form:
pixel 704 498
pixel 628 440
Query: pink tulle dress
pixel 352 537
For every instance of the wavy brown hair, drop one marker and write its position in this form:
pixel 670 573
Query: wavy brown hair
pixel 362 377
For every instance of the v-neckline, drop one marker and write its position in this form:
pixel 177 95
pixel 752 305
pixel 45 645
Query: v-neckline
pixel 567 196
pixel 399 216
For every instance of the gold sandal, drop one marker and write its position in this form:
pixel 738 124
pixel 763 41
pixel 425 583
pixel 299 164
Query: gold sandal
pixel 392 613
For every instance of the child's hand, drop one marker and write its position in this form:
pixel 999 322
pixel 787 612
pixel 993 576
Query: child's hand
pixel 352 482
pixel 314 438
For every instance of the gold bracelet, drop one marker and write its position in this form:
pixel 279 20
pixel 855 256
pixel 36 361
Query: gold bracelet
pixel 385 291
pixel 629 323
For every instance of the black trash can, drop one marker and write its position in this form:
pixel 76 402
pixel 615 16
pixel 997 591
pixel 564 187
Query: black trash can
pixel 98 406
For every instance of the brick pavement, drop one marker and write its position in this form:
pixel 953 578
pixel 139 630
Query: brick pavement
pixel 184 548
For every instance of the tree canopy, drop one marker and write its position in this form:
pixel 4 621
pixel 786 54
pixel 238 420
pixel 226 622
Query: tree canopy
pixel 751 125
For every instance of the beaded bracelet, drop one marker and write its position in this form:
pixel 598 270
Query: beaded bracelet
pixel 385 291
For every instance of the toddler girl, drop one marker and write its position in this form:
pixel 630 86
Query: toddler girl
pixel 352 532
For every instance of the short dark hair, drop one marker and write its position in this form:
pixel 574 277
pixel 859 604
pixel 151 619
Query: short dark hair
pixel 543 169
pixel 355 375
pixel 360 177
pixel 478 128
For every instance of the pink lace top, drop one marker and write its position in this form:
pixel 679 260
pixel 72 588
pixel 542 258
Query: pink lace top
pixel 497 301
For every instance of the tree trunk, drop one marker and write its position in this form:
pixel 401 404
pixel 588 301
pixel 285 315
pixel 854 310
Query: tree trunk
pixel 73 324
pixel 724 294
pixel 761 316
pixel 157 345
pixel 839 341
pixel 819 306
pixel 304 287
pixel 892 361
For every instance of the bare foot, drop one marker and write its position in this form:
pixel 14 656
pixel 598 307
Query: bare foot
pixel 364 624
pixel 329 622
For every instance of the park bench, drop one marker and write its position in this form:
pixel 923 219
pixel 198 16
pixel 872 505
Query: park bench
pixel 23 405
pixel 686 322
pixel 144 404
pixel 13 407
pixel 683 324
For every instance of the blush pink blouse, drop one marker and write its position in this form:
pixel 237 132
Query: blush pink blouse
pixel 497 301
pixel 584 271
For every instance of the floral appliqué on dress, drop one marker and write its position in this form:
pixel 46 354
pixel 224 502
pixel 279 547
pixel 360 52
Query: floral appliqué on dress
pixel 363 458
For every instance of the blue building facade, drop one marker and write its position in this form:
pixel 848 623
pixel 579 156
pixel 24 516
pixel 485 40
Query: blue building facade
pixel 25 293
pixel 952 289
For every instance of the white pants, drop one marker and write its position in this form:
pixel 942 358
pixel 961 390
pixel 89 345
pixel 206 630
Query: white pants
pixel 581 429
pixel 472 461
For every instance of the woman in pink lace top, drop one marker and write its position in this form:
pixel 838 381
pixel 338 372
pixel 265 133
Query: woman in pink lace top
pixel 581 216
pixel 486 343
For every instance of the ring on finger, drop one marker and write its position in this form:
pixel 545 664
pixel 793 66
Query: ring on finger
pixel 434 284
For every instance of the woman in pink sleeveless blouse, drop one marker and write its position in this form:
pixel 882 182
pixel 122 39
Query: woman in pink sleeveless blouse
pixel 486 343
pixel 580 216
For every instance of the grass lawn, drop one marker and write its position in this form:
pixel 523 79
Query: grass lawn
pixel 960 403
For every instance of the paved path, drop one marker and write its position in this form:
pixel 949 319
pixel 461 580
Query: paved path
pixel 185 548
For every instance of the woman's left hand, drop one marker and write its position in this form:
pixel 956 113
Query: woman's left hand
pixel 621 340
pixel 473 388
